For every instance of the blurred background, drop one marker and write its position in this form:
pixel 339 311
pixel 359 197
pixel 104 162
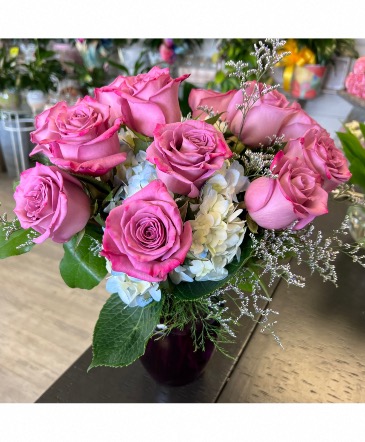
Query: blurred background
pixel 37 73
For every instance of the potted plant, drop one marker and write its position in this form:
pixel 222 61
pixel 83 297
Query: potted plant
pixel 9 79
pixel 39 76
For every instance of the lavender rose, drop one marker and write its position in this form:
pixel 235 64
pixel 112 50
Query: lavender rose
pixel 319 152
pixel 266 118
pixel 144 100
pixel 295 195
pixel 78 138
pixel 145 236
pixel 51 202
pixel 298 124
pixel 186 154
pixel 211 99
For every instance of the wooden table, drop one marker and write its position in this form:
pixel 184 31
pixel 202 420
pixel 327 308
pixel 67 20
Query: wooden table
pixel 322 329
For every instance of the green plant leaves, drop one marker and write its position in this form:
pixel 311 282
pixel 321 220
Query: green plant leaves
pixel 18 242
pixel 355 153
pixel 191 291
pixel 80 267
pixel 121 332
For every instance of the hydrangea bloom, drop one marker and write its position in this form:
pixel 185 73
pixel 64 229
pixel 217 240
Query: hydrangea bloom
pixel 132 291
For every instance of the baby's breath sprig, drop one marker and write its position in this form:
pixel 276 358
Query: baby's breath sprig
pixel 347 192
pixel 258 163
pixel 267 56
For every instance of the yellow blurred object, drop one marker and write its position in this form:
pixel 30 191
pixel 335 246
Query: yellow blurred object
pixel 14 51
pixel 296 58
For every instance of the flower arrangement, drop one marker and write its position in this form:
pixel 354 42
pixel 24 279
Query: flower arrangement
pixel 355 81
pixel 179 212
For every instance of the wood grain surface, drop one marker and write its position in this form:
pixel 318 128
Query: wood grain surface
pixel 322 329
pixel 44 325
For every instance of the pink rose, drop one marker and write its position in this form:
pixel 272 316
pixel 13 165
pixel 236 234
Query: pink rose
pixel 51 202
pixel 355 84
pixel 145 236
pixel 266 118
pixel 144 100
pixel 187 154
pixel 78 138
pixel 295 195
pixel 359 66
pixel 167 51
pixel 212 99
pixel 298 124
pixel 319 152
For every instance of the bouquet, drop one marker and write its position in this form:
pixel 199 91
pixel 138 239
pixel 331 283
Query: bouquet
pixel 179 213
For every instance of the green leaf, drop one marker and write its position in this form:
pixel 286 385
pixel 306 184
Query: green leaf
pixel 41 158
pixel 362 128
pixel 220 77
pixel 121 332
pixel 251 224
pixel 80 267
pixel 190 291
pixel 91 182
pixel 140 145
pixel 358 174
pixel 18 242
pixel 352 147
pixel 213 120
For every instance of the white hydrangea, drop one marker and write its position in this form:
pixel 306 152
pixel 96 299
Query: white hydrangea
pixel 141 173
pixel 217 227
pixel 218 231
pixel 230 180
pixel 198 270
pixel 132 291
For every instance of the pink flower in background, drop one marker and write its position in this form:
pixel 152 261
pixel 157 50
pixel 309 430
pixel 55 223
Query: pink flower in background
pixel 51 202
pixel 296 194
pixel 359 66
pixel 186 154
pixel 167 51
pixel 217 100
pixel 355 84
pixel 319 152
pixel 355 81
pixel 78 138
pixel 143 101
pixel 267 117
pixel 145 236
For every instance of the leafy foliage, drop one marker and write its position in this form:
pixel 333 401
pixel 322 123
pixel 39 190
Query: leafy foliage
pixel 43 72
pixel 9 71
pixel 355 153
pixel 121 333
pixel 13 239
pixel 81 266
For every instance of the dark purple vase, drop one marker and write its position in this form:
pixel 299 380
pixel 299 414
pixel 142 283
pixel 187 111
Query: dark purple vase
pixel 172 360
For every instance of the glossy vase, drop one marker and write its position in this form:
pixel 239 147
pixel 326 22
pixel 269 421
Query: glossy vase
pixel 171 360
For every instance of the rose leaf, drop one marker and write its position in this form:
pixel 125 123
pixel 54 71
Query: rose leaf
pixel 82 266
pixel 121 332
pixel 14 240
